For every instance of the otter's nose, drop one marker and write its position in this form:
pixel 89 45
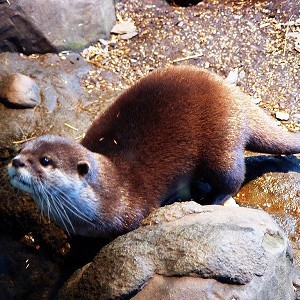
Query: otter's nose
pixel 17 163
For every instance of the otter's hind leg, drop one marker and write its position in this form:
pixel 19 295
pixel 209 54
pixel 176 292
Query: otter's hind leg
pixel 226 178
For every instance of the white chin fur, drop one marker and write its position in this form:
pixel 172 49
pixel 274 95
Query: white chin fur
pixel 20 185
pixel 19 180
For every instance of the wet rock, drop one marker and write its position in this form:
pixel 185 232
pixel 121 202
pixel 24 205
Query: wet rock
pixel 273 184
pixel 188 251
pixel 49 26
pixel 19 91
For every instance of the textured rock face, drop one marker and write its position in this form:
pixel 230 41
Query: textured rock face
pixel 19 91
pixel 53 84
pixel 188 251
pixel 53 25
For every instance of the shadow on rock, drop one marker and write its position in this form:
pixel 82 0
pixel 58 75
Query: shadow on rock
pixel 258 165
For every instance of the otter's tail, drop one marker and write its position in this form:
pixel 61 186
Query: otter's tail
pixel 267 137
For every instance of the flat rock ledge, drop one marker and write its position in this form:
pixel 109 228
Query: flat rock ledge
pixel 189 251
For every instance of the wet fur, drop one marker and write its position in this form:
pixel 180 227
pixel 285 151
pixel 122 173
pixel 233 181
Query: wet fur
pixel 175 126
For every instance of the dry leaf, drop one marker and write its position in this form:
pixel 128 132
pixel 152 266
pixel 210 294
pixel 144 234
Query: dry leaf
pixel 128 36
pixel 124 27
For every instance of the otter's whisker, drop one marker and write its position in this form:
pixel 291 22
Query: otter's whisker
pixel 60 215
pixel 72 208
pixel 42 202
pixel 64 216
pixel 44 196
pixel 82 217
pixel 42 199
pixel 57 204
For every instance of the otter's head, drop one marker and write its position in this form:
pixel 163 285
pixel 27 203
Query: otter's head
pixel 59 174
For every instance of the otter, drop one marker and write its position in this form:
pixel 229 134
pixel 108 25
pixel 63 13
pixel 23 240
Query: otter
pixel 174 127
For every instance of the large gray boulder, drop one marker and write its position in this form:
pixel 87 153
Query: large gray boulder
pixel 31 26
pixel 188 251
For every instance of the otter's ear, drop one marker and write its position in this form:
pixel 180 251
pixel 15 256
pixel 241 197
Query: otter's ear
pixel 83 168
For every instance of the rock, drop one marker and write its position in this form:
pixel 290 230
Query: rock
pixel 189 251
pixel 273 183
pixel 61 96
pixel 64 98
pixel 50 26
pixel 19 90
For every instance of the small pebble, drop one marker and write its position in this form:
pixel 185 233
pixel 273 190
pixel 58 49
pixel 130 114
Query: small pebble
pixel 282 116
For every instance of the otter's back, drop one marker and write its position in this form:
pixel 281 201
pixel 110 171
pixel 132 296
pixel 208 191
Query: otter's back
pixel 176 108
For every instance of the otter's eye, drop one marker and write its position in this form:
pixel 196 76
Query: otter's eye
pixel 45 161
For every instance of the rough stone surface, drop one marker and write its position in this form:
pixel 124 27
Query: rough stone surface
pixel 53 25
pixel 217 251
pixel 62 97
pixel 66 108
pixel 19 91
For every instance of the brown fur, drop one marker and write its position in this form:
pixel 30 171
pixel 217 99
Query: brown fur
pixel 184 122
pixel 175 126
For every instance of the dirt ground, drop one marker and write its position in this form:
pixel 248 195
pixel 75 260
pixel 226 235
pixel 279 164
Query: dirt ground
pixel 257 39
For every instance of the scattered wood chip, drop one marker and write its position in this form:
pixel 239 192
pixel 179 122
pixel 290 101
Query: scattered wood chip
pixel 297 116
pixel 104 42
pixel 256 100
pixel 264 25
pixel 296 37
pixel 70 126
pixel 187 57
pixel 24 141
pixel 80 137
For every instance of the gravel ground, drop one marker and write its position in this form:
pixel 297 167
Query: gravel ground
pixel 257 41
